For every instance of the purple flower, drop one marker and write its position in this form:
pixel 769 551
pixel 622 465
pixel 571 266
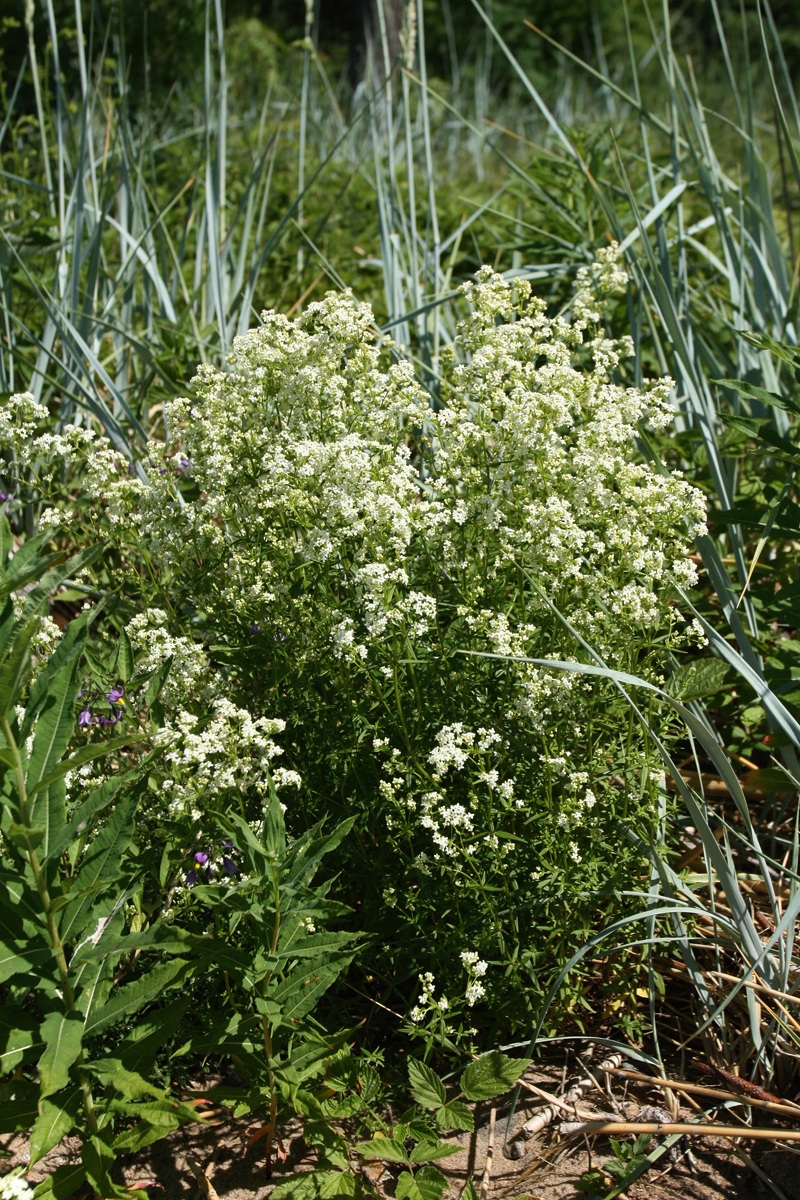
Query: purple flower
pixel 228 844
pixel 85 717
pixel 115 695
pixel 190 878
pixel 229 866
pixel 255 627
pixel 201 858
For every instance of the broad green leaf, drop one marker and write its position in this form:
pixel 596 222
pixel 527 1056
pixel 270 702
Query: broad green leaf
pixel 64 1183
pixel 274 826
pixel 454 1115
pixel 425 1152
pixel 18 1106
pixel 98 1159
pixel 14 666
pixel 426 1086
pixel 469 1192
pixel 315 1185
pixel 427 1184
pixel 298 993
pixel 55 725
pixel 147 1037
pixel 82 756
pixel 157 683
pixel 100 867
pixel 491 1075
pixel 62 1034
pixel 148 1129
pixel 58 1116
pixel 85 812
pixel 129 999
pixel 385 1149
pixel 19 1037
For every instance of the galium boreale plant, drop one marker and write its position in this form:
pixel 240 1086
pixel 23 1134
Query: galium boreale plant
pixel 340 538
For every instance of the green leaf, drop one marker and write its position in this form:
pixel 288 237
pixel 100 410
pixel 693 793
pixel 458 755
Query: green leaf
pixel 698 679
pixel 426 1087
pixel 427 1184
pixel 491 1075
pixel 425 1152
pixel 469 1192
pixel 64 1183
pixel 454 1115
pixel 100 866
pixel 315 1185
pixel 62 1034
pixel 57 1117
pixel 98 1159
pixel 14 666
pixel 125 661
pixel 18 1106
pixel 133 996
pixel 299 992
pixel 84 755
pixel 91 807
pixel 157 682
pixel 19 1037
pixel 385 1149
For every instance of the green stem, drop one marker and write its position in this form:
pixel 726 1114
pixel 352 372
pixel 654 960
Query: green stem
pixel 50 917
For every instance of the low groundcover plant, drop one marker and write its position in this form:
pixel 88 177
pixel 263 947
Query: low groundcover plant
pixel 336 541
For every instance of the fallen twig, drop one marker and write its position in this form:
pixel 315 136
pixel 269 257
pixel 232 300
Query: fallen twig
pixel 782 1108
pixel 665 1128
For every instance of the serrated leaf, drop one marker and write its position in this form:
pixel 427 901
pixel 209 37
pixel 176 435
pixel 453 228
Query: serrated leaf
pixel 426 1086
pixel 470 1191
pixel 315 1185
pixel 425 1152
pixel 385 1149
pixel 427 1184
pixel 62 1034
pixel 491 1075
pixel 455 1115
pixel 699 679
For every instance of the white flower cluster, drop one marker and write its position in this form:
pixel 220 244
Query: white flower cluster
pixel 428 1003
pixel 14 1187
pixel 476 968
pixel 231 752
pixel 155 645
